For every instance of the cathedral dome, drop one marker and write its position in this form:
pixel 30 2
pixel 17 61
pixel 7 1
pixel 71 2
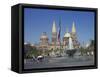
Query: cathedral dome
pixel 67 34
pixel 44 36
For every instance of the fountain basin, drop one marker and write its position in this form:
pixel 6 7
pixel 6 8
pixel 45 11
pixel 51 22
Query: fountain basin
pixel 71 52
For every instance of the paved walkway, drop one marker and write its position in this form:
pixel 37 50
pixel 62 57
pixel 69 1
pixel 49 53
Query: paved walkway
pixel 60 62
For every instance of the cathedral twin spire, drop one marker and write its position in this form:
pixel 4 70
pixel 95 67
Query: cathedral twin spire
pixel 54 28
pixel 56 35
pixel 73 28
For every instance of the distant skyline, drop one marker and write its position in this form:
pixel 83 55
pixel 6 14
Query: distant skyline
pixel 37 21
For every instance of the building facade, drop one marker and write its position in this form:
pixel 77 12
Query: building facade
pixel 54 44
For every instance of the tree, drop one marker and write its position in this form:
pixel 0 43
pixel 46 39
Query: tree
pixel 92 45
pixel 33 52
pixel 82 50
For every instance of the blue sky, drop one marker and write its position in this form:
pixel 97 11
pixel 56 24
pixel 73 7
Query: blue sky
pixel 37 21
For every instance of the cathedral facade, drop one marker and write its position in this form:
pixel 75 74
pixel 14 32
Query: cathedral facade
pixel 55 44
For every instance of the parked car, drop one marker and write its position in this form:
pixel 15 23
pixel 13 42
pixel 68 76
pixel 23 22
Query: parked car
pixel 40 58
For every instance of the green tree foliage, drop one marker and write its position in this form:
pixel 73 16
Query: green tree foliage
pixel 33 52
pixel 83 50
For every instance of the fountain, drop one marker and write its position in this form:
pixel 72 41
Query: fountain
pixel 70 44
pixel 70 50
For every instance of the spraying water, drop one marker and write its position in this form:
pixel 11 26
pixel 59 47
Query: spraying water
pixel 70 50
pixel 70 46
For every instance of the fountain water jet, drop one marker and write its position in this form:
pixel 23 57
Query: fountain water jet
pixel 70 43
pixel 70 50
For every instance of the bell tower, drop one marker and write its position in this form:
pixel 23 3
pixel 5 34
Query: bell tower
pixel 73 31
pixel 54 35
pixel 74 36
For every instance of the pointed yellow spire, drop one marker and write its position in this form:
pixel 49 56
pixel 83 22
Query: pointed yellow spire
pixel 54 27
pixel 73 28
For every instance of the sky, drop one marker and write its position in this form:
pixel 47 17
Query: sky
pixel 37 21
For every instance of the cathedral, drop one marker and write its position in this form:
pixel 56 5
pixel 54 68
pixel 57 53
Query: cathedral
pixel 55 44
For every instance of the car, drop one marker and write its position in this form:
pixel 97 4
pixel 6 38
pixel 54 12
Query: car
pixel 40 58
